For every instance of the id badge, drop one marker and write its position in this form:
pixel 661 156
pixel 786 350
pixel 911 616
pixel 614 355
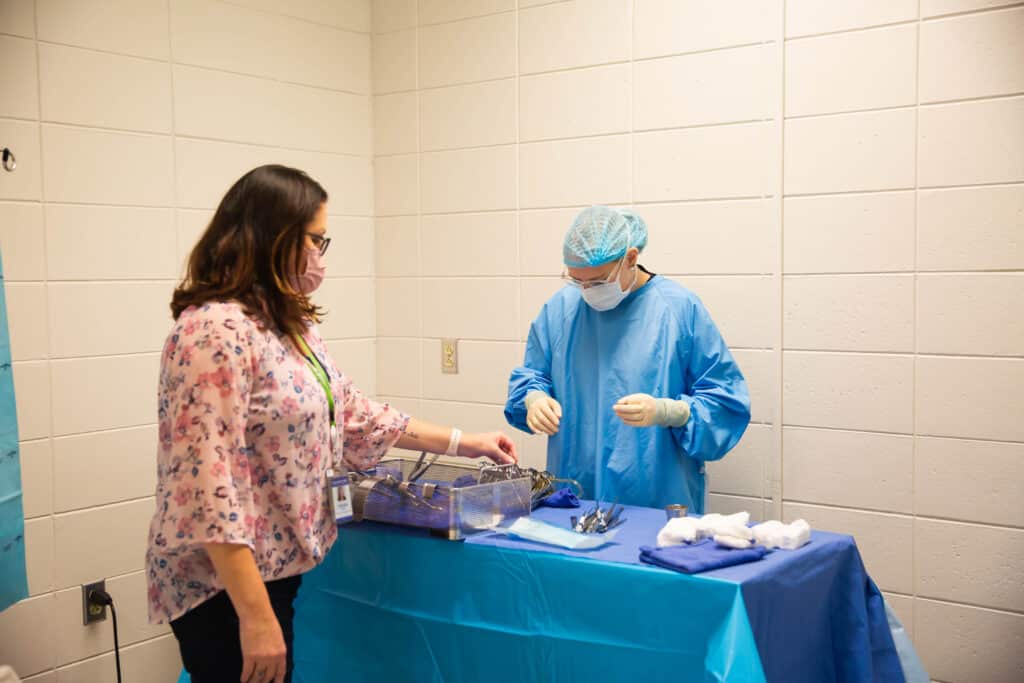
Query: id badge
pixel 340 493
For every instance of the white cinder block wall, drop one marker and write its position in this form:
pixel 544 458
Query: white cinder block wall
pixel 842 182
pixel 130 120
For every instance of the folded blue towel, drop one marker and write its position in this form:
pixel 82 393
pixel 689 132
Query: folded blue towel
pixel 562 498
pixel 699 557
pixel 464 480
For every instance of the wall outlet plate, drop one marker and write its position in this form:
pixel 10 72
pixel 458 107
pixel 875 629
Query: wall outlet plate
pixel 450 356
pixel 92 613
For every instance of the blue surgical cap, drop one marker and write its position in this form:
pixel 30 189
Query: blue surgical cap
pixel 601 235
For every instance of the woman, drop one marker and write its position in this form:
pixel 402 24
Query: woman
pixel 253 414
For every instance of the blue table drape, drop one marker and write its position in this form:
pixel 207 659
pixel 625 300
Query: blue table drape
pixel 393 604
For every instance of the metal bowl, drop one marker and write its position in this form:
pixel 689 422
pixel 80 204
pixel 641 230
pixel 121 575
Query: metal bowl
pixel 675 510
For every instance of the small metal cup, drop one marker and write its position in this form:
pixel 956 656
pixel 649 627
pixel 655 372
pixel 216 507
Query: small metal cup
pixel 675 510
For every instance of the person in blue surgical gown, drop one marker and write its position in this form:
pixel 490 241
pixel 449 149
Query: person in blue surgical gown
pixel 627 374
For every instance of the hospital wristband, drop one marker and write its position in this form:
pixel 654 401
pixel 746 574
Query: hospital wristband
pixel 453 443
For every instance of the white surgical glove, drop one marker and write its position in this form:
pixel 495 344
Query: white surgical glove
pixel 643 410
pixel 543 413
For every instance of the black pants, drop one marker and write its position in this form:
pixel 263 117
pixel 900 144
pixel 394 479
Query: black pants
pixel 208 635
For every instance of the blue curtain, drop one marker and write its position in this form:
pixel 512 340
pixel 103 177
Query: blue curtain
pixel 13 583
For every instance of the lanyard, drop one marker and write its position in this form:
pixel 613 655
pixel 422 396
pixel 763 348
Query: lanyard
pixel 318 371
pixel 338 491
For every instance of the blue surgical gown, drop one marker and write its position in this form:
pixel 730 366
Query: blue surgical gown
pixel 660 341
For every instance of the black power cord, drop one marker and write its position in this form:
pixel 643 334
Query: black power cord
pixel 101 597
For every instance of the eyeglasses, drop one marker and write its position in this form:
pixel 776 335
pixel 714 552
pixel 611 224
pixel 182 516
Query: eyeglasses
pixel 320 242
pixel 587 284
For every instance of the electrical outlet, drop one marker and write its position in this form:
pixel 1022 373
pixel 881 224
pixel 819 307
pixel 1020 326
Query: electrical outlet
pixel 92 612
pixel 450 356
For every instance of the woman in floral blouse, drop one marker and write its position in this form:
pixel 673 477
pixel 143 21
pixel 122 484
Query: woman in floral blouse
pixel 253 413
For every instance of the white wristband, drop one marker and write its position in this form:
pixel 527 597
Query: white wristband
pixel 453 443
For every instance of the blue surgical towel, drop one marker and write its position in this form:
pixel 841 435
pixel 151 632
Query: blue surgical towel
pixel 699 557
pixel 562 498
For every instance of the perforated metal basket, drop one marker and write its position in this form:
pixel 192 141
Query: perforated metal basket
pixel 449 500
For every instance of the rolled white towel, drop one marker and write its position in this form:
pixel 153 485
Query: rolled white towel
pixel 734 530
pixel 714 518
pixel 726 525
pixel 679 530
pixel 798 535
pixel 733 542
pixel 766 533
pixel 775 534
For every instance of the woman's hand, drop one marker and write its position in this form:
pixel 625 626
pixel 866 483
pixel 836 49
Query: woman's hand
pixel 263 646
pixel 493 445
pixel 263 650
pixel 423 436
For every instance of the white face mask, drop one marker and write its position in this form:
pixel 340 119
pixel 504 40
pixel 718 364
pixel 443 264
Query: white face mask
pixel 606 296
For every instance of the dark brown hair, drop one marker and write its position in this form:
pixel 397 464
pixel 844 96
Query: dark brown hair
pixel 251 250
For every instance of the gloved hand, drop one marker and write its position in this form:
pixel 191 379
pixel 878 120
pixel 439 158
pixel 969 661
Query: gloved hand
pixel 543 413
pixel 643 410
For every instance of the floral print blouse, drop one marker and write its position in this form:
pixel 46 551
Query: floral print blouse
pixel 244 444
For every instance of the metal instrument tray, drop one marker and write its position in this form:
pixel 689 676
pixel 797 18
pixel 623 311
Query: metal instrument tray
pixel 452 501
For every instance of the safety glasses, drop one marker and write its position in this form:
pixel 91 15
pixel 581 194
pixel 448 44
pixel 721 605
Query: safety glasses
pixel 587 284
pixel 320 242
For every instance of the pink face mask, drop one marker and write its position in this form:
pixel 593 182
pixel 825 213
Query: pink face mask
pixel 313 273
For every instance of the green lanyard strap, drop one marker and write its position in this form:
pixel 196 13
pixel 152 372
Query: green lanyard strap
pixel 318 371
